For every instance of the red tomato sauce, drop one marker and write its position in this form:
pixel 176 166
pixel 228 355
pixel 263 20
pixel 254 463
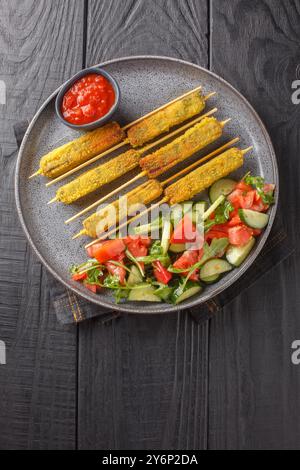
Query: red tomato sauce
pixel 88 99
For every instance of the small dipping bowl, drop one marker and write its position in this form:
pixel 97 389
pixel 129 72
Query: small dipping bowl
pixel 98 122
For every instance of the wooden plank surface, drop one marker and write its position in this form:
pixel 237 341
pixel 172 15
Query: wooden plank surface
pixel 143 380
pixel 253 393
pixel 40 46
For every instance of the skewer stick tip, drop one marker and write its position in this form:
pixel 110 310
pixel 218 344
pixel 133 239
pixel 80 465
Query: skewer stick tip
pixel 79 234
pixel 38 172
pixel 52 200
pixel 210 95
pixel 223 123
pixel 247 150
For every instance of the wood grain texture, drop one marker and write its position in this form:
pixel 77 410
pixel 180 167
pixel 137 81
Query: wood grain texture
pixel 157 27
pixel 143 380
pixel 40 46
pixel 253 398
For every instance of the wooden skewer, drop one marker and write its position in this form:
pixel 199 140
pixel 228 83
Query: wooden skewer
pixel 111 232
pixel 125 142
pixel 140 175
pixel 165 199
pixel 198 162
pixel 160 108
pixel 83 165
pixel 38 172
pixel 150 146
pixel 164 183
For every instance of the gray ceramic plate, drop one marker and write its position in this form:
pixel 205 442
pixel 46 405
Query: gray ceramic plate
pixel 145 83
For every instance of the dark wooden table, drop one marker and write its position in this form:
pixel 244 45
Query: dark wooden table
pixel 163 382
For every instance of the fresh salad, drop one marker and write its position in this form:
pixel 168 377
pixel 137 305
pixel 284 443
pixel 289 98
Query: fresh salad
pixel 196 245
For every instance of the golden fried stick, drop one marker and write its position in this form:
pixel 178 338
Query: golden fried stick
pixel 73 153
pixel 173 113
pixel 126 205
pixel 204 176
pixel 194 139
pixel 98 177
pixel 164 120
pixel 197 181
pixel 182 172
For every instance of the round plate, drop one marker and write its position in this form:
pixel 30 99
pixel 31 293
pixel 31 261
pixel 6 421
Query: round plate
pixel 145 83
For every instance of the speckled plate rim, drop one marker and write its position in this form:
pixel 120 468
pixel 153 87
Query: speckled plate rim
pixel 197 300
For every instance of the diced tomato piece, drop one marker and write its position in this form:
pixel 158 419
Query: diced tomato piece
pixel 234 221
pixel 79 276
pixel 239 235
pixel 143 240
pixel 243 186
pixel 161 273
pixel 259 206
pixel 117 271
pixel 269 188
pixel 185 232
pixel 186 260
pixel 256 232
pixel 137 245
pixel 91 287
pixel 246 200
pixel 108 250
pixel 234 198
pixel 90 250
pixel 215 234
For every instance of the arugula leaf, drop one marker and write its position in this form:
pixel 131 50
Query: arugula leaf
pixel 214 250
pixel 93 276
pixel 121 294
pixel 86 266
pixel 222 214
pixel 156 249
pixel 112 282
pixel 258 182
pixel 135 261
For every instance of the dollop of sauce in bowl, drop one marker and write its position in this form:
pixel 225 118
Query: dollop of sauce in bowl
pixel 89 99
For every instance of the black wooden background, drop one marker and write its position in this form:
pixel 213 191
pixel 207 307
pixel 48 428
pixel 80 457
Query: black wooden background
pixel 162 382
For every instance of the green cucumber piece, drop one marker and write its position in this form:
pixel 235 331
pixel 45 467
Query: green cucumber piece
pixel 211 279
pixel 191 288
pixel 214 266
pixel 143 293
pixel 198 211
pixel 222 187
pixel 213 207
pixel 254 219
pixel 178 211
pixel 166 235
pixel 134 276
pixel 177 247
pixel 235 255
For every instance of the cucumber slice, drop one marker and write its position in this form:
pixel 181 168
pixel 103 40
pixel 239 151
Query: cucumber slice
pixel 177 247
pixel 254 219
pixel 213 207
pixel 144 293
pixel 134 276
pixel 166 235
pixel 214 266
pixel 179 210
pixel 235 255
pixel 191 289
pixel 198 211
pixel 222 187
pixel 211 279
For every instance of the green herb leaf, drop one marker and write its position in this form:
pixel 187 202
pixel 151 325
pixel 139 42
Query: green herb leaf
pixel 258 182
